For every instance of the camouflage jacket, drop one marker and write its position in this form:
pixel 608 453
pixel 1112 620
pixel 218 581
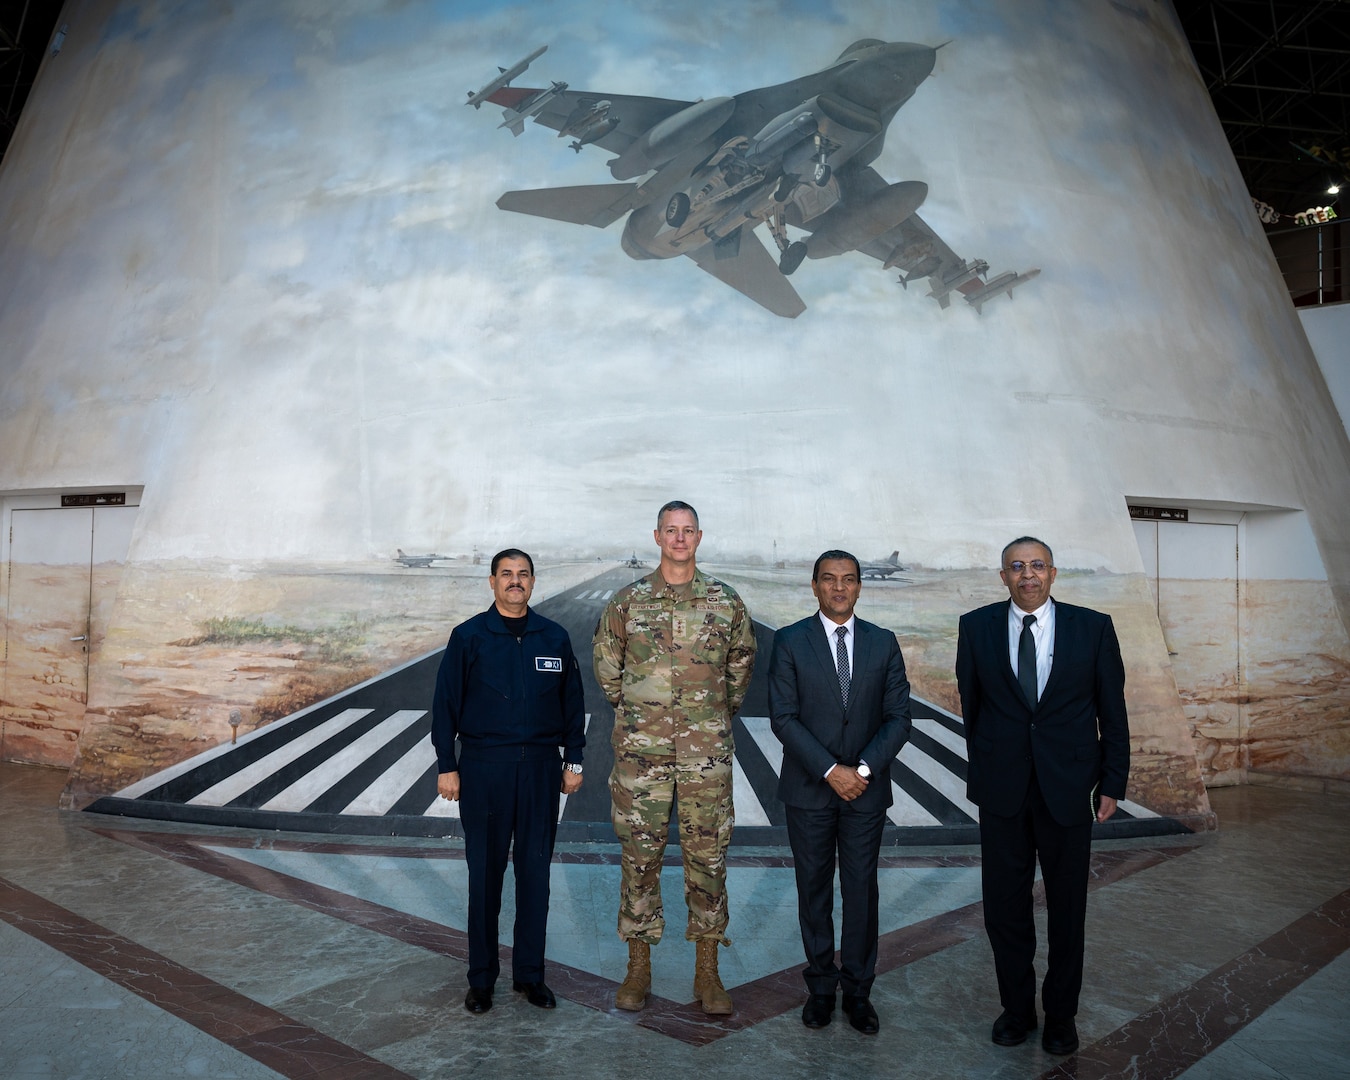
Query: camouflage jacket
pixel 674 670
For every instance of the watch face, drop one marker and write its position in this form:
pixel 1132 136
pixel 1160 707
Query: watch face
pixel 864 772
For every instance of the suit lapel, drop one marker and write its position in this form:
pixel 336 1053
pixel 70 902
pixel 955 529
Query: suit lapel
pixel 863 641
pixel 824 647
pixel 998 642
pixel 1060 649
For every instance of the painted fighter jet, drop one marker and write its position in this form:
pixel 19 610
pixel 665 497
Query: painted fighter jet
pixel 885 568
pixel 698 178
pixel 417 562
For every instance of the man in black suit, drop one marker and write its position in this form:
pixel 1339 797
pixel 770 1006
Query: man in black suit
pixel 1042 692
pixel 839 701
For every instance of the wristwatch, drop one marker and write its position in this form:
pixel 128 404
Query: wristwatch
pixel 572 767
pixel 864 770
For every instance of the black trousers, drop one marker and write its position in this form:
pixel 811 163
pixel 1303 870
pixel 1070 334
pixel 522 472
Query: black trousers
pixel 508 810
pixel 816 836
pixel 1009 849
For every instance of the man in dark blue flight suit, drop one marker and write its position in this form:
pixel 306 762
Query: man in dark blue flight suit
pixel 510 690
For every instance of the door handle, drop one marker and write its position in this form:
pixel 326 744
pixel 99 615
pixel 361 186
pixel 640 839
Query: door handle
pixel 80 638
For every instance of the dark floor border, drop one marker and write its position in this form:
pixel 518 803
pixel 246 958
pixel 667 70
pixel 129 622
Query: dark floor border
pixel 1161 1043
pixel 590 856
pixel 578 832
pixel 762 999
pixel 1182 1029
pixel 271 1038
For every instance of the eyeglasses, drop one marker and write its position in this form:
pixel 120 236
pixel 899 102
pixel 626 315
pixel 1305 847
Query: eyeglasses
pixel 1037 566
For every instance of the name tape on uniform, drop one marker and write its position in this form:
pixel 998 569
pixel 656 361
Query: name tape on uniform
pixel 548 663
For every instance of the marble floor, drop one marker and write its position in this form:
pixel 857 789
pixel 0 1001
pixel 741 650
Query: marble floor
pixel 133 948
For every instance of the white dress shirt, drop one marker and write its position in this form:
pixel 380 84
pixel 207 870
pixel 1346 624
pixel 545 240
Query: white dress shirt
pixel 830 627
pixel 1043 631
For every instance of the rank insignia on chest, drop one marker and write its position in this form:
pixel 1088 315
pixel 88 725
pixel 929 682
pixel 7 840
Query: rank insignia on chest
pixel 548 663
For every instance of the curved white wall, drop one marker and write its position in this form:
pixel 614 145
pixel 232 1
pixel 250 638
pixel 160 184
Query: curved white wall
pixel 251 261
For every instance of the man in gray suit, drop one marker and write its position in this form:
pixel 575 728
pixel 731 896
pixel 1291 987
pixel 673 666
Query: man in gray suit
pixel 839 701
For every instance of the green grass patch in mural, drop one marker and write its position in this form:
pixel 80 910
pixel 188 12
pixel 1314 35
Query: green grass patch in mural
pixel 332 643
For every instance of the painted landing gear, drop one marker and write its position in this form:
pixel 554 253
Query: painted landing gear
pixel 677 210
pixel 791 258
pixel 820 169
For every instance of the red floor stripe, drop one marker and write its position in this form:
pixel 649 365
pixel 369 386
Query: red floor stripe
pixel 1168 1039
pixel 291 1048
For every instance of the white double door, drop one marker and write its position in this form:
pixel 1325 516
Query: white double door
pixel 1193 571
pixel 63 568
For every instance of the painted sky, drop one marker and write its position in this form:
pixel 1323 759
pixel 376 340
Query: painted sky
pixel 273 227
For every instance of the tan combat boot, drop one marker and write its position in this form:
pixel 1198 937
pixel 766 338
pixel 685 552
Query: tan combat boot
pixel 707 985
pixel 637 984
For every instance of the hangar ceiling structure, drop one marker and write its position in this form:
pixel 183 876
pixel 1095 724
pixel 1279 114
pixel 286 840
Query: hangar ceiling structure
pixel 1276 71
pixel 26 31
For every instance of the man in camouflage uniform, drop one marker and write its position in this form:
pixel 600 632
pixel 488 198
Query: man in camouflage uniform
pixel 673 654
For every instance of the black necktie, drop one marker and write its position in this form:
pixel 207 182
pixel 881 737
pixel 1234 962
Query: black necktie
pixel 841 659
pixel 1026 660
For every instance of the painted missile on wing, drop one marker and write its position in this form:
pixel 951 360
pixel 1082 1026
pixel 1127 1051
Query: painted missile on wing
pixel 967 271
pixel 1003 283
pixel 504 79
pixel 589 121
pixel 531 106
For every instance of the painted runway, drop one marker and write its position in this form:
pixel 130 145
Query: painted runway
pixel 362 762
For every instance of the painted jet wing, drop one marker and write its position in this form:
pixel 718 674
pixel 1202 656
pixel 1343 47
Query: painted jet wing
pixel 591 204
pixel 912 247
pixel 742 261
pixel 634 115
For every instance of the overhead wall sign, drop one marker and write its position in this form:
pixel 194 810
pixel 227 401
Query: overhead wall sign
pixel 97 498
pixel 1160 513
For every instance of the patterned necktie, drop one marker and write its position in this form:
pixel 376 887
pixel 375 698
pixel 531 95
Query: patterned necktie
pixel 1026 660
pixel 841 659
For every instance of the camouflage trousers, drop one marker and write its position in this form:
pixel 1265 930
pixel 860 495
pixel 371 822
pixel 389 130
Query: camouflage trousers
pixel 642 789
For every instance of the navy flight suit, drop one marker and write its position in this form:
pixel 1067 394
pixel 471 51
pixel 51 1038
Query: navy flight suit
pixel 511 702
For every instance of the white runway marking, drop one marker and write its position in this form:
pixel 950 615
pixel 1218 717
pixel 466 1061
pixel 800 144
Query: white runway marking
pixel 237 783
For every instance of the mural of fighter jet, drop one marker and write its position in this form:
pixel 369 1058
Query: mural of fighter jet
pixel 698 178
pixel 417 562
pixel 883 569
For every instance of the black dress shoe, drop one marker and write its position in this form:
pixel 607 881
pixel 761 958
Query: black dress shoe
pixel 1011 1029
pixel 536 993
pixel 478 999
pixel 861 1014
pixel 1061 1036
pixel 817 1011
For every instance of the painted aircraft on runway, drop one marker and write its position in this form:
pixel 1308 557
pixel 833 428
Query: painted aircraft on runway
pixel 698 178
pixel 417 562
pixel 883 569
